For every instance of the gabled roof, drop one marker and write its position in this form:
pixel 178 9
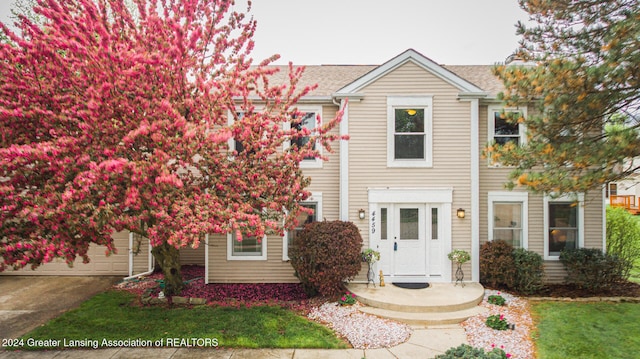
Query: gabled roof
pixel 337 79
pixel 417 58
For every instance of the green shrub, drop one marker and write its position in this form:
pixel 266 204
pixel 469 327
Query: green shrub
pixel 496 299
pixel 623 235
pixel 325 254
pixel 497 322
pixel 529 271
pixel 590 269
pixel 466 351
pixel 497 266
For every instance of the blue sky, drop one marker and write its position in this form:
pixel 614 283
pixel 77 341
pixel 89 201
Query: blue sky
pixel 455 32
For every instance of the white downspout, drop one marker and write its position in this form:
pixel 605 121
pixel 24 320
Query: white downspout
pixel 475 190
pixel 206 257
pixel 130 254
pixel 150 265
pixel 344 161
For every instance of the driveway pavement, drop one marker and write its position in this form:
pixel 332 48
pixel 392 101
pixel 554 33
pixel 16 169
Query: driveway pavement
pixel 29 301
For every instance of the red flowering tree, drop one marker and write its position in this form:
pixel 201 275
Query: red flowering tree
pixel 115 118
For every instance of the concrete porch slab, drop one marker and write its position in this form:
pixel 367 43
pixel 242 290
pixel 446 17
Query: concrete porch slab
pixel 439 297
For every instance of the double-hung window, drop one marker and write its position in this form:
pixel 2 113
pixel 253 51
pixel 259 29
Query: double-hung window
pixel 503 129
pixel 409 126
pixel 508 219
pixel 234 143
pixel 313 203
pixel 563 224
pixel 309 120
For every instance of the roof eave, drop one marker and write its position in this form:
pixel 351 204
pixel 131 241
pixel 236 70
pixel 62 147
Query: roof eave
pixel 473 95
pixel 346 95
pixel 418 59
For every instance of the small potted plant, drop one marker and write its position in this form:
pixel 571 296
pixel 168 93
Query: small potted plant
pixel 459 257
pixel 370 256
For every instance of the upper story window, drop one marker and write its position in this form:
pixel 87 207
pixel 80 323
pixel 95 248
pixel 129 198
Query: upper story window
pixel 310 119
pixel 501 128
pixel 563 224
pixel 306 121
pixel 237 144
pixel 409 135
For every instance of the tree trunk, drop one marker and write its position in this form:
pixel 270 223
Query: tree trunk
pixel 168 257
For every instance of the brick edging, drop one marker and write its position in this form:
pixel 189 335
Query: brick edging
pixel 146 298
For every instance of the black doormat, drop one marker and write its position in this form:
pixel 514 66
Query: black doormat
pixel 412 285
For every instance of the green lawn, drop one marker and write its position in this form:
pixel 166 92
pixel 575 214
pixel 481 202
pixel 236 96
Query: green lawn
pixel 111 316
pixel 587 330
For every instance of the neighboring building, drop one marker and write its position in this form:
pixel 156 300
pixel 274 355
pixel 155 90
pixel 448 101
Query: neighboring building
pixel 413 161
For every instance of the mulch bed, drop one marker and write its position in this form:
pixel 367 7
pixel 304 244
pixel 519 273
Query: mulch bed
pixel 627 289
pixel 291 294
pixel 288 295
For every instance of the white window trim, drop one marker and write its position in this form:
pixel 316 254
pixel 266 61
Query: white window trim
pixel 491 126
pixel 316 197
pixel 423 101
pixel 566 198
pixel 309 163
pixel 231 257
pixel 513 197
pixel 230 120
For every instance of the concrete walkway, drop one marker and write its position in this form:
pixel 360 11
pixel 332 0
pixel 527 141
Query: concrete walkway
pixel 425 342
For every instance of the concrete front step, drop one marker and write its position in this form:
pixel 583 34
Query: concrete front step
pixel 429 319
pixel 440 303
pixel 438 298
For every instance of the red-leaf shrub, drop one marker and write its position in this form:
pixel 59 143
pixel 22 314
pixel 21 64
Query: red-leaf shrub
pixel 497 265
pixel 325 254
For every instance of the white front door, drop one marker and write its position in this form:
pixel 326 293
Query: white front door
pixel 409 240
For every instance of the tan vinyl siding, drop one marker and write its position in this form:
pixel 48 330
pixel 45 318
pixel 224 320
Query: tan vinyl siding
pixel 274 269
pixel 116 264
pixel 190 255
pixel 451 130
pixel 141 259
pixel 451 143
pixel 326 180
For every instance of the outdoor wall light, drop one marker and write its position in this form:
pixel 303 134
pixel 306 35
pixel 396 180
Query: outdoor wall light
pixel 361 213
pixel 460 213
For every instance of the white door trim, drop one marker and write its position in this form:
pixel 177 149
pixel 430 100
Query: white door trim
pixel 441 197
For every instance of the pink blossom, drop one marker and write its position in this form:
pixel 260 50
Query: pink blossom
pixel 144 106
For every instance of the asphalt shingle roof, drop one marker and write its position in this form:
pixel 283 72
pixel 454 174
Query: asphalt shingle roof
pixel 331 78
